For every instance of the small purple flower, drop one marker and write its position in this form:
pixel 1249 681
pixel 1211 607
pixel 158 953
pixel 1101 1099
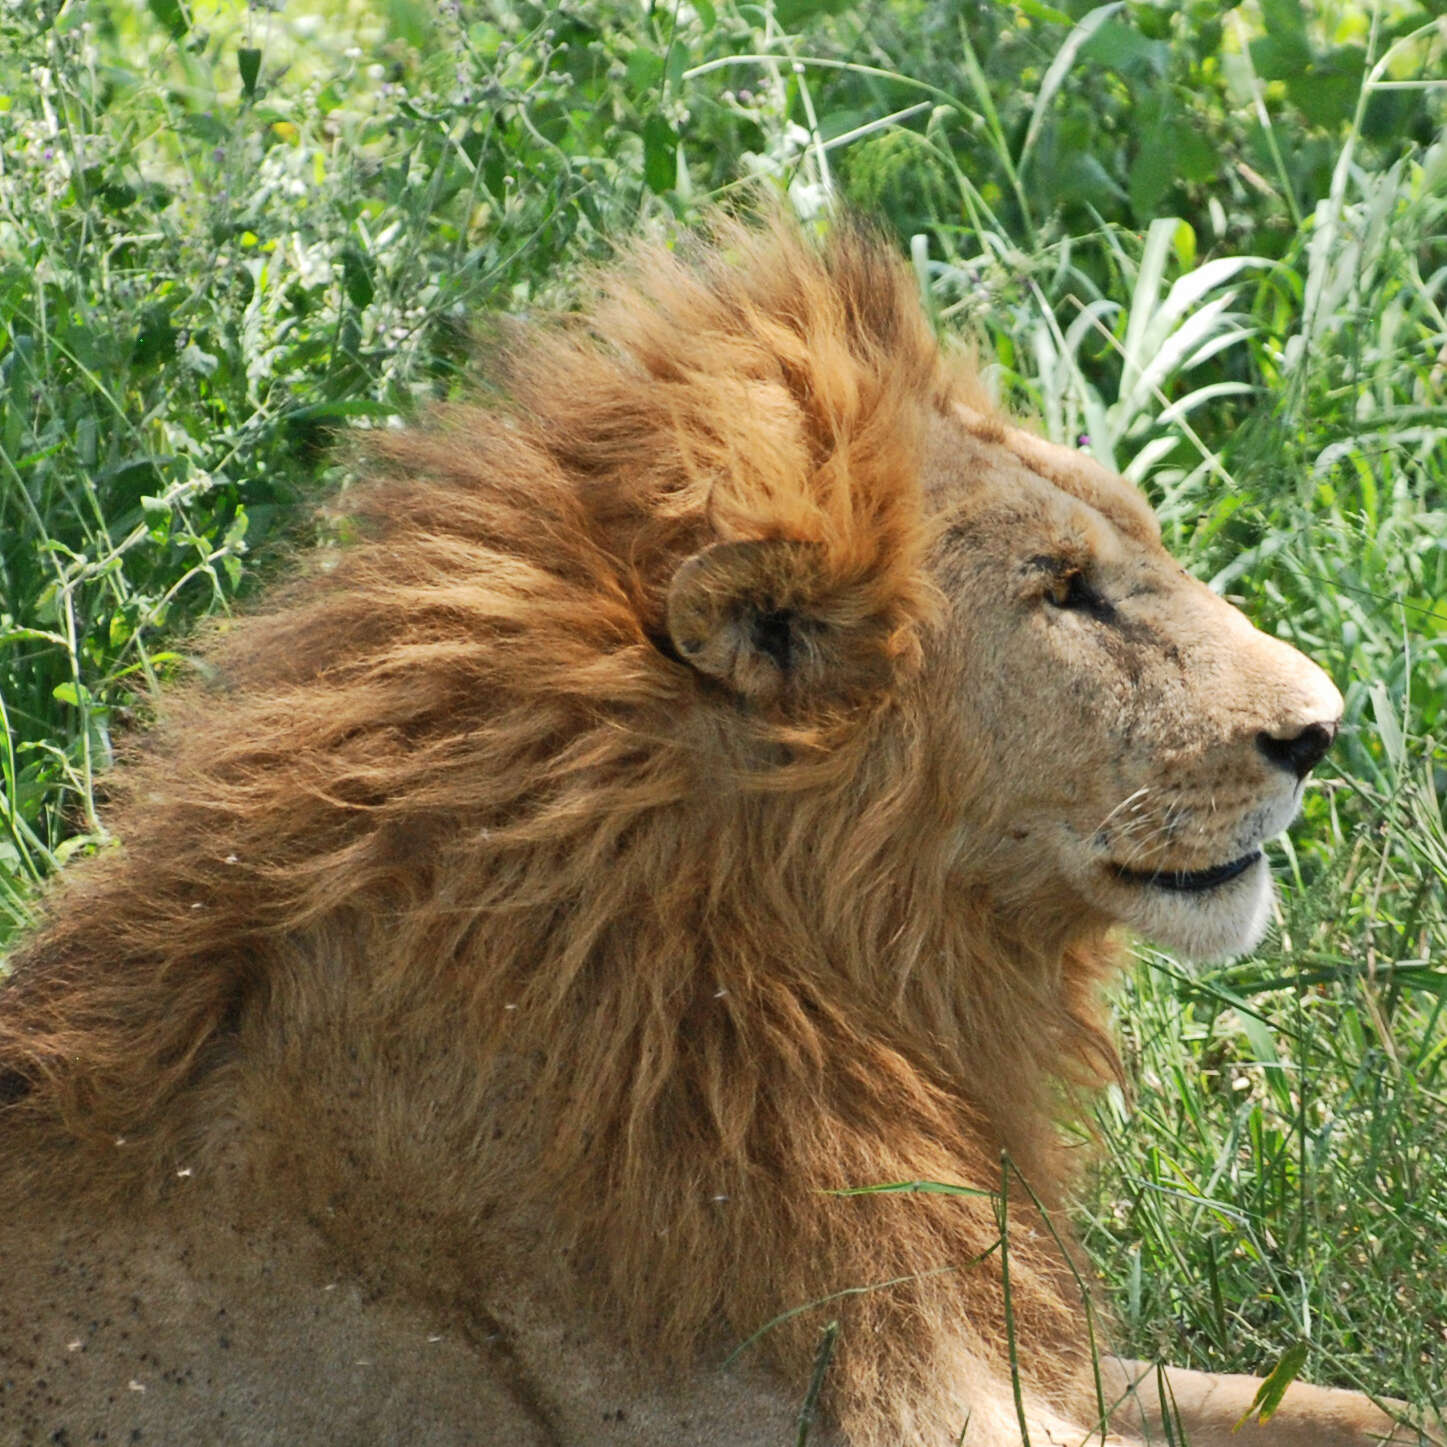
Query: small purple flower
pixel 1083 440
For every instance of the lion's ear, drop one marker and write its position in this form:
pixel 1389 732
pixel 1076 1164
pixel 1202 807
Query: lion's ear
pixel 747 614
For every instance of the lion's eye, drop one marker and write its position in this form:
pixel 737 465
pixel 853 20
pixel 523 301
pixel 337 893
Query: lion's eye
pixel 1069 590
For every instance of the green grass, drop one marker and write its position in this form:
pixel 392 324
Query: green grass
pixel 1211 242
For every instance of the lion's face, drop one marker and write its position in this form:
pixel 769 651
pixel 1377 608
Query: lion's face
pixel 1136 737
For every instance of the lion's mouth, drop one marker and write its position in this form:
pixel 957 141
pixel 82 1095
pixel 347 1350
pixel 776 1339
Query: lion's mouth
pixel 1188 881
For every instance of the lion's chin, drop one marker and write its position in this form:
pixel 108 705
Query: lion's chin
pixel 1201 918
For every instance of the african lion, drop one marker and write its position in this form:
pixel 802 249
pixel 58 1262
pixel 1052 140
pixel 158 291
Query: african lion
pixel 709 781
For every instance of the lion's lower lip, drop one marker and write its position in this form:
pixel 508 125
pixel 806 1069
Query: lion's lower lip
pixel 1191 881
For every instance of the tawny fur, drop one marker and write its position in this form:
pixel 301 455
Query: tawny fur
pixel 671 960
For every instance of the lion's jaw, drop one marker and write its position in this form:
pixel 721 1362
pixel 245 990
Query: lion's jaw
pixel 1211 920
pixel 1154 738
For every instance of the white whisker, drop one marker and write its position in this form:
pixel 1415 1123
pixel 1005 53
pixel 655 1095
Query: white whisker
pixel 1131 801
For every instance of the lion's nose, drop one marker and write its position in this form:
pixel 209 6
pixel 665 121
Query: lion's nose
pixel 1300 753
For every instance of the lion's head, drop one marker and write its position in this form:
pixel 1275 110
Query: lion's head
pixel 1130 739
pixel 717 768
pixel 1138 739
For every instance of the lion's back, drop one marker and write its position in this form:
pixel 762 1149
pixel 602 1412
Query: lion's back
pixel 169 1322
pixel 162 1325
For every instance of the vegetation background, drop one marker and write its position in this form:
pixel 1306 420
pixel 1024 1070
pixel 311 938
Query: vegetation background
pixel 1206 240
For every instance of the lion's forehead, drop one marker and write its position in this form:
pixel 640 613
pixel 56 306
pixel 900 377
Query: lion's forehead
pixel 973 457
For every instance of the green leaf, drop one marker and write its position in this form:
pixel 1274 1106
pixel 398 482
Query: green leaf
pixel 675 66
pixel 1183 243
pixel 925 1188
pixel 1047 13
pixel 1084 179
pixel 1170 150
pixel 1122 47
pixel 248 62
pixel 494 170
pixel 1196 158
pixel 120 630
pixel 645 70
pixel 172 14
pixel 1281 55
pixel 792 14
pixel 1326 92
pixel 1273 1387
pixel 1261 1038
pixel 347 407
pixel 660 154
pixel 76 695
pixel 357 276
pixel 1151 174
pixel 205 127
pixel 1388 725
pixel 1284 19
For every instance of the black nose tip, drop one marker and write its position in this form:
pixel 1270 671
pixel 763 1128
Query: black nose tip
pixel 1300 753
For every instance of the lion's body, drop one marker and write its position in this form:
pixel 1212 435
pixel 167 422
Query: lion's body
pixel 506 967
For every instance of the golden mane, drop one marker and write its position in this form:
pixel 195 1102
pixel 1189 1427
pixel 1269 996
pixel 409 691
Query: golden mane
pixel 736 946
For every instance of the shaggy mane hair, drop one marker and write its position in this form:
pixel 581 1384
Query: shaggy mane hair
pixel 737 945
